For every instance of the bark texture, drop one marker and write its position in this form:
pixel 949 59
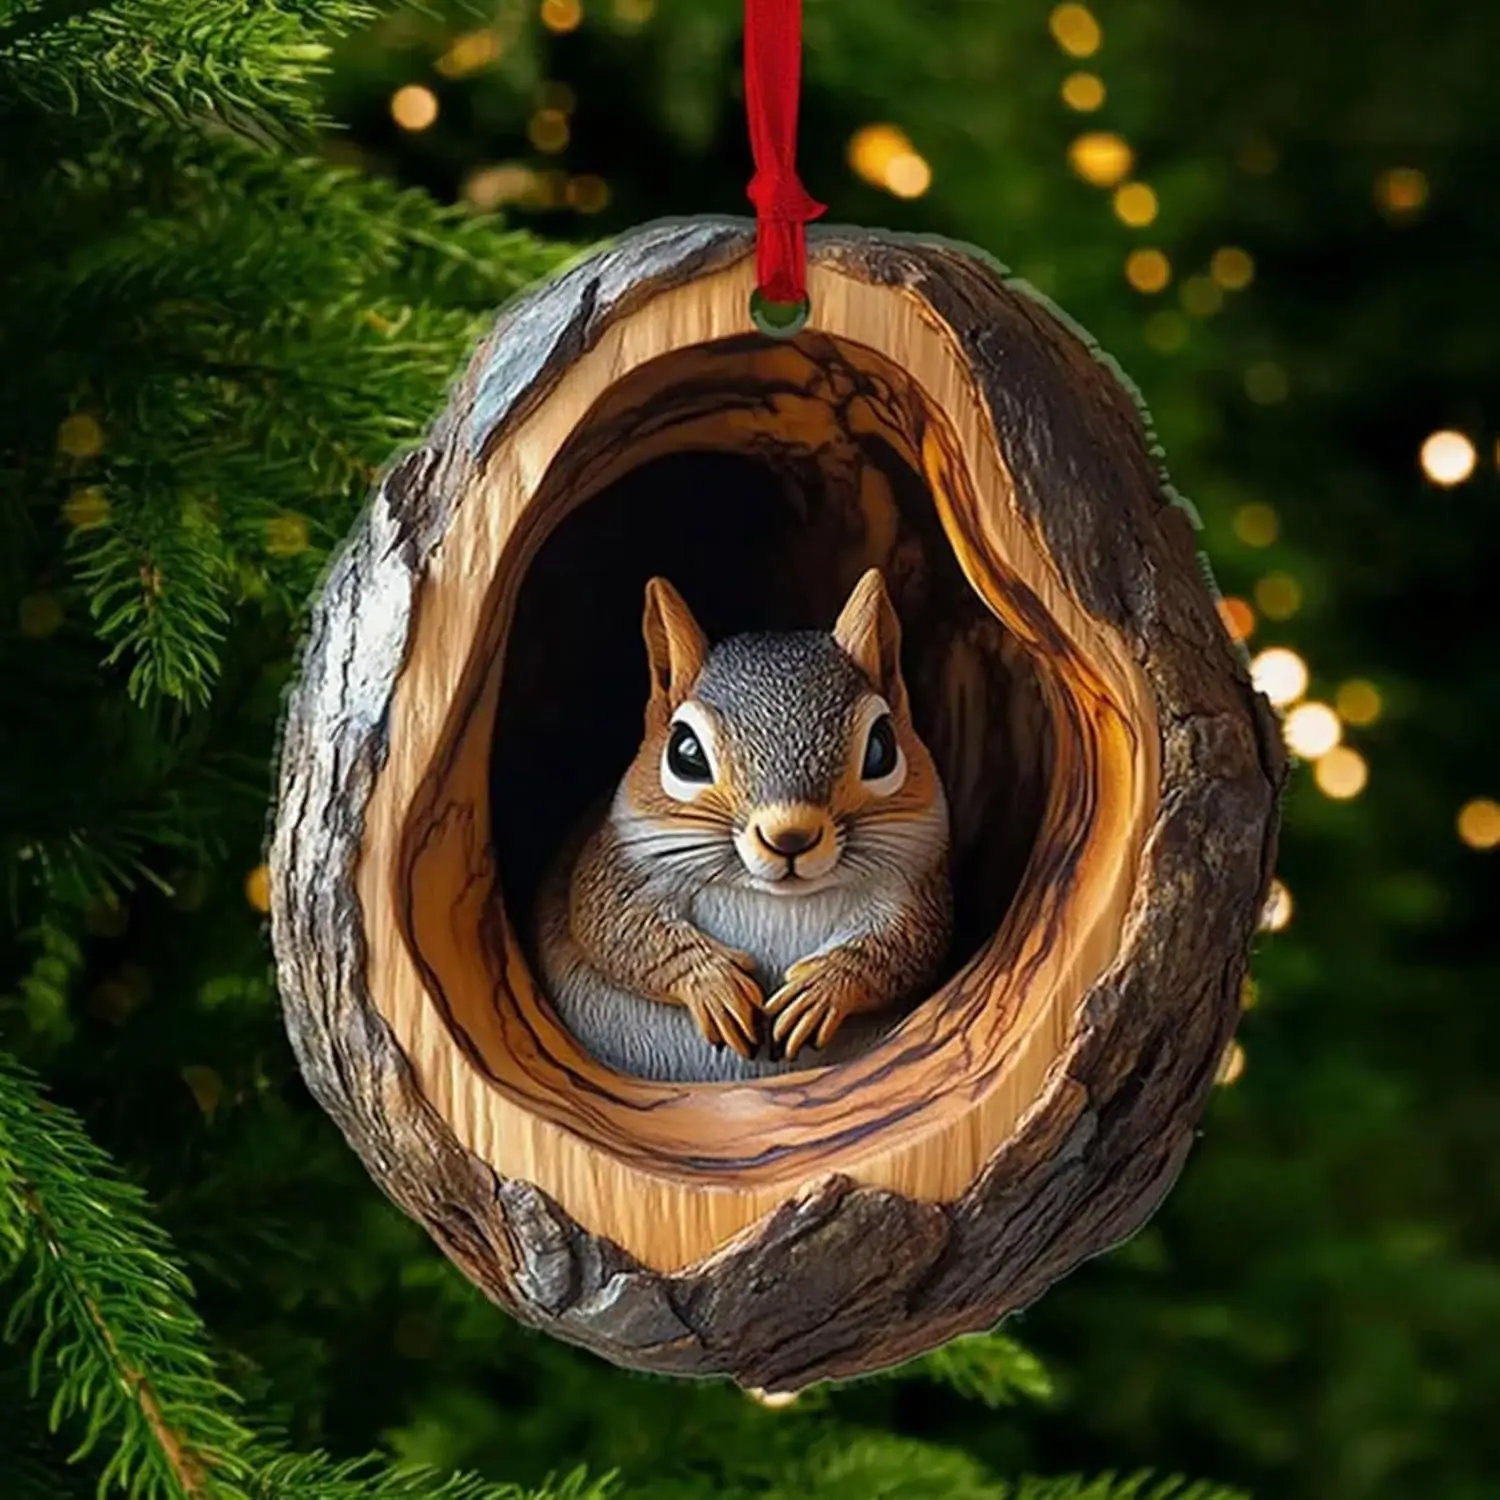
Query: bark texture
pixel 841 1279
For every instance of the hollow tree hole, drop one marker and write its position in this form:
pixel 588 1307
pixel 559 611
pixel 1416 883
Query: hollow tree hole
pixel 763 518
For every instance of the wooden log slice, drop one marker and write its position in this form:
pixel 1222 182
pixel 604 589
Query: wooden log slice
pixel 474 676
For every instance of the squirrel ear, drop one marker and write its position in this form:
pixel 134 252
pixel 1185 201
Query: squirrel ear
pixel 676 647
pixel 869 632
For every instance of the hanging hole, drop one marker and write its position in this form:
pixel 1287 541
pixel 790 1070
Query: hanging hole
pixel 778 320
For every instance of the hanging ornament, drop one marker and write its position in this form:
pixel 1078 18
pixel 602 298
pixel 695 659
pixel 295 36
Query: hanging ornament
pixel 790 1170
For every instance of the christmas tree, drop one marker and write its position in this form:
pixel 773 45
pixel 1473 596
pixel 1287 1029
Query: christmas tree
pixel 247 246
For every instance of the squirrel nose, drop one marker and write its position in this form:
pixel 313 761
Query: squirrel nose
pixel 789 840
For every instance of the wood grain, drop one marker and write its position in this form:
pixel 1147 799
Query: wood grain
pixel 1120 777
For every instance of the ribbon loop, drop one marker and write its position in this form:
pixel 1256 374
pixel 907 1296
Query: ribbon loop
pixel 773 78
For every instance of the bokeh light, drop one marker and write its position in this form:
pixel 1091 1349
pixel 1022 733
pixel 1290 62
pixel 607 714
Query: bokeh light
pixel 86 508
pixel 414 107
pixel 286 535
pixel 562 15
pixel 1358 702
pixel 1479 823
pixel 1075 30
pixel 1448 458
pixel 1277 911
pixel 258 888
pixel 775 1400
pixel 1279 596
pixel 1401 191
pixel 548 130
pixel 1231 1064
pixel 1238 618
pixel 1232 268
pixel 908 175
pixel 1311 730
pixel 1083 91
pixel 469 53
pixel 588 193
pixel 1256 525
pixel 1148 270
pixel 1280 674
pixel 80 436
pixel 1202 296
pixel 504 182
pixel 1101 157
pixel 1135 204
pixel 873 148
pixel 1341 773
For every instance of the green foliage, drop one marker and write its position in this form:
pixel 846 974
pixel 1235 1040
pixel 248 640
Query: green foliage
pixel 114 1337
pixel 238 60
pixel 215 326
pixel 990 1367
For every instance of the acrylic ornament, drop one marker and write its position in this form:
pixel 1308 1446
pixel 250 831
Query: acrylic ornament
pixel 474 673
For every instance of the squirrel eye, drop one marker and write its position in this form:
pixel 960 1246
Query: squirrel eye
pixel 880 750
pixel 685 755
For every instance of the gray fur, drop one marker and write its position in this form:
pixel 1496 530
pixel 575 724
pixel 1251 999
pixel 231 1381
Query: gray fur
pixel 781 756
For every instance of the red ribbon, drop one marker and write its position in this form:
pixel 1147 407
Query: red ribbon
pixel 773 78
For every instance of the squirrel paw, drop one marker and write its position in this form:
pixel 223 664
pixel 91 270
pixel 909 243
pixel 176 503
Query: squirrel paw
pixel 818 995
pixel 725 1001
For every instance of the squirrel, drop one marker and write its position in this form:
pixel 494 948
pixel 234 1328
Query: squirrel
pixel 772 865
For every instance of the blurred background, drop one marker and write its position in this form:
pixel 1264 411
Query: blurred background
pixel 1284 222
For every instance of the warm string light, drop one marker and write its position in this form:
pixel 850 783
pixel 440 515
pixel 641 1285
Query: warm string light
pixel 1083 92
pixel 1341 774
pixel 1148 271
pixel 1135 204
pixel 80 436
pixel 505 182
pixel 286 536
pixel 562 15
pixel 883 156
pixel 1358 702
pixel 1075 30
pixel 1277 912
pixel 1256 525
pixel 775 1400
pixel 469 53
pixel 1231 1065
pixel 1280 674
pixel 1401 192
pixel 1232 268
pixel 86 508
pixel 1279 596
pixel 1311 730
pixel 1479 823
pixel 414 107
pixel 1448 458
pixel 258 888
pixel 1238 618
pixel 1101 157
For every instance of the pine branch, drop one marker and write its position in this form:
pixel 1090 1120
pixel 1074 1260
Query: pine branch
pixel 317 1477
pixel 990 1367
pixel 123 1355
pixel 247 62
pixel 251 354
pixel 115 1338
